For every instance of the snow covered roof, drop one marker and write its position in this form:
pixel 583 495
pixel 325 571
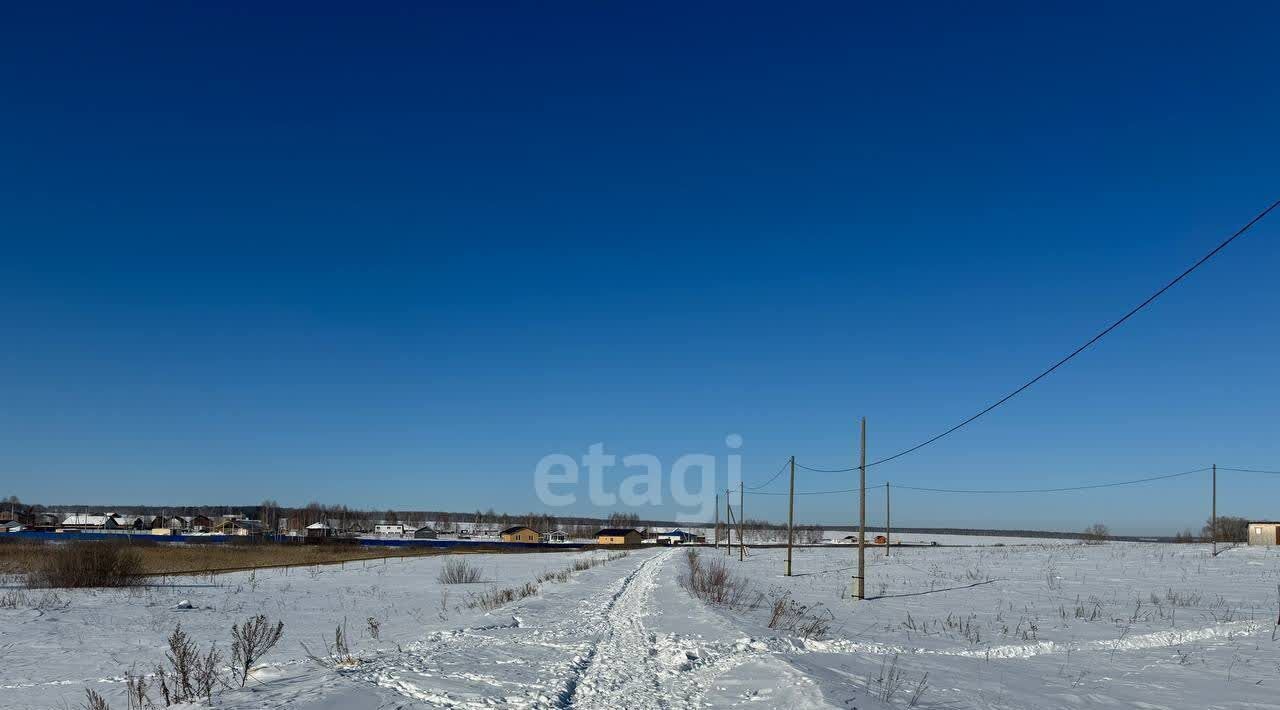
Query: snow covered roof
pixel 81 519
pixel 318 526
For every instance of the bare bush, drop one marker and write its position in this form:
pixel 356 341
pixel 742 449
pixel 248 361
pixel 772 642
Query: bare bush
pixel 713 583
pixel 458 571
pixel 890 681
pixel 251 641
pixel 137 687
pixel 1097 533
pixel 1229 528
pixel 87 564
pixel 93 701
pixel 807 621
pixel 189 676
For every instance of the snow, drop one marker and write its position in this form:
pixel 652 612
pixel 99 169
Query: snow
pixel 1050 624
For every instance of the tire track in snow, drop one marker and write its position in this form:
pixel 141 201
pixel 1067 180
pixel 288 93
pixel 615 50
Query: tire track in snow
pixel 567 653
pixel 620 670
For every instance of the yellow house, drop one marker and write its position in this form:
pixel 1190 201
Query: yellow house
pixel 521 534
pixel 618 536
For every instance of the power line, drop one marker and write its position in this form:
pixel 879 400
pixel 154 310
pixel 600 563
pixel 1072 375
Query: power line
pixel 826 470
pixel 814 493
pixel 1090 342
pixel 1249 470
pixel 772 478
pixel 1053 490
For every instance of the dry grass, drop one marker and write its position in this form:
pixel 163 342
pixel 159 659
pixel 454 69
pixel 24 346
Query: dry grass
pixel 21 557
pixel 87 564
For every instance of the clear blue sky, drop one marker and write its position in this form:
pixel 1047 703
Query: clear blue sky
pixel 394 259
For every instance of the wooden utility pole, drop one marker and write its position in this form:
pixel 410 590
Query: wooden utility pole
pixel 862 514
pixel 791 513
pixel 886 519
pixel 717 533
pixel 742 540
pixel 728 524
pixel 1213 512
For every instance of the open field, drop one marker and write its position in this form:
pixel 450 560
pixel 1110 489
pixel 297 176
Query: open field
pixel 18 557
pixel 1047 626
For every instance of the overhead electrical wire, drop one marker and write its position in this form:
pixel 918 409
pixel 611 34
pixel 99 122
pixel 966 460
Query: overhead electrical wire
pixel 1061 489
pixel 1029 383
pixel 772 478
pixel 1101 334
pixel 813 493
pixel 1053 490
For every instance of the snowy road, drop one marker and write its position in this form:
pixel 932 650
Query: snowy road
pixel 558 652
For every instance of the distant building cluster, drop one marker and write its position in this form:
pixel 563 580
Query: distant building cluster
pixel 239 525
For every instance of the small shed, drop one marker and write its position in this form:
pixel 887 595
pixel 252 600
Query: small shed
pixel 426 532
pixel 1264 532
pixel 319 530
pixel 520 533
pixel 619 536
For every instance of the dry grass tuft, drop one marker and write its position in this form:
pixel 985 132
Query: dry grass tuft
pixel 87 564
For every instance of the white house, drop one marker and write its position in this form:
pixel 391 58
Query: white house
pixel 385 529
pixel 80 521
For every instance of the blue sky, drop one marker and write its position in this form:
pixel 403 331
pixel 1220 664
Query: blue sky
pixel 395 259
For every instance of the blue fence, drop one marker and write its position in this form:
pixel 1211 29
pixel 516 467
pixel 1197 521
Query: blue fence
pixel 413 542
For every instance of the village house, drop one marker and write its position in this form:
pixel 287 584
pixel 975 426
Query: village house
pixel 81 521
pixel 677 537
pixel 385 529
pixel 238 526
pixel 556 537
pixel 129 521
pixel 169 525
pixel 425 533
pixel 1264 533
pixel 520 533
pixel 619 536
pixel 45 521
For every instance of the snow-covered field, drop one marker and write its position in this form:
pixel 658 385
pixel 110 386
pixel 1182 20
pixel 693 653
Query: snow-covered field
pixel 1037 626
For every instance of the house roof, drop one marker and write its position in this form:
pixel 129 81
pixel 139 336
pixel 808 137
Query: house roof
pixel 617 531
pixel 317 526
pixel 79 519
pixel 517 528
